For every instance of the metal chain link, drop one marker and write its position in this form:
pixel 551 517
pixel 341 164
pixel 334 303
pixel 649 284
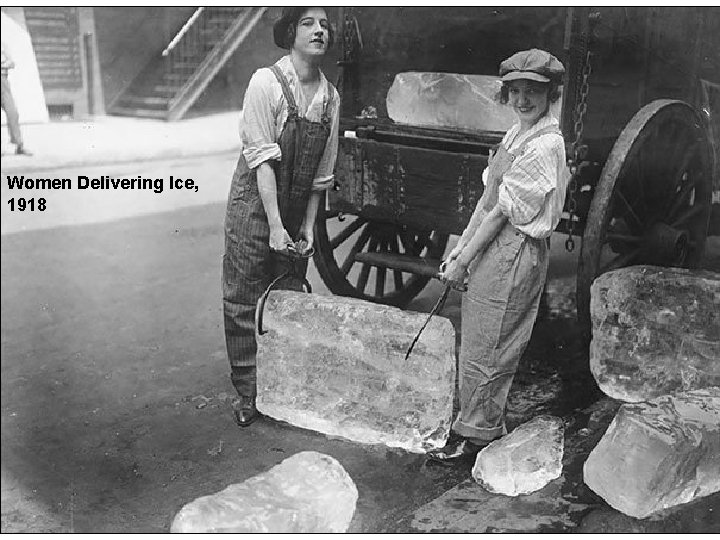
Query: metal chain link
pixel 579 150
pixel 348 37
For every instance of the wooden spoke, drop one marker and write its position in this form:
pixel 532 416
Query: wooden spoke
pixel 393 245
pixel 687 158
pixel 365 271
pixel 347 232
pixel 397 274
pixel 679 199
pixel 398 279
pixel 430 242
pixel 689 214
pixel 363 279
pixel 422 241
pixel 380 277
pixel 680 154
pixel 408 242
pixel 630 210
pixel 359 244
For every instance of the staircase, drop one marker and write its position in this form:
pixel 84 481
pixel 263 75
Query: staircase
pixel 168 86
pixel 55 36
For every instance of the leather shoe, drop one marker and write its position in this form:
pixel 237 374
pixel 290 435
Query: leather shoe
pixel 245 411
pixel 455 450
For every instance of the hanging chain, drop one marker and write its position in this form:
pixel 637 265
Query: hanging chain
pixel 348 29
pixel 578 150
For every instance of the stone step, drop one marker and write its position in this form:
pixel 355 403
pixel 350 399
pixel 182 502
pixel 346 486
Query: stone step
pixel 141 113
pixel 148 102
pixel 166 90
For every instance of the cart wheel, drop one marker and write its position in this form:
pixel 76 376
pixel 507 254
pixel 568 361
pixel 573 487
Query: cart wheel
pixel 357 235
pixel 652 202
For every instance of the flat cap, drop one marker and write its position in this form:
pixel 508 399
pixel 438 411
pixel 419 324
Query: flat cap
pixel 534 64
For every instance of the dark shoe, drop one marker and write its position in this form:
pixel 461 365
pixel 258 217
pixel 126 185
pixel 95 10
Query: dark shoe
pixel 455 450
pixel 245 411
pixel 20 149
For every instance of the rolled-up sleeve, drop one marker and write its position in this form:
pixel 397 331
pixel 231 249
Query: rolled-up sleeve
pixel 257 127
pixel 527 184
pixel 325 172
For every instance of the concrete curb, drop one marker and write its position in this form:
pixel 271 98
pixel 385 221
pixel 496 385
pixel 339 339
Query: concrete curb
pixel 19 165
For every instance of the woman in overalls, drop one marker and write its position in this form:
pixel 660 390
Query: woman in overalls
pixel 505 250
pixel 289 133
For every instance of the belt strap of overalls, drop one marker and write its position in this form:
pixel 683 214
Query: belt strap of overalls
pixel 544 131
pixel 495 174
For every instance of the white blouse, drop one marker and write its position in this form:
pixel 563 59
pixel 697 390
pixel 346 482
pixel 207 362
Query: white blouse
pixel 265 111
pixel 532 192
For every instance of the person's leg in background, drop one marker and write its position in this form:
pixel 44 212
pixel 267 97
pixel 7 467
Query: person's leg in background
pixel 13 119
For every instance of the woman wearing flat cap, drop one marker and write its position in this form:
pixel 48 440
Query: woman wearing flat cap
pixel 504 249
pixel 289 135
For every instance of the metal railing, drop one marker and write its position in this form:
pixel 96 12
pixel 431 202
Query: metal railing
pixel 203 43
pixel 182 31
pixel 240 21
pixel 183 51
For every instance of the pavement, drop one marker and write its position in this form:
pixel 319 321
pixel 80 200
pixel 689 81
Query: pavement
pixel 115 139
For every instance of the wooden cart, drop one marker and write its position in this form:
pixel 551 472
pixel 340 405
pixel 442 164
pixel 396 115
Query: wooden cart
pixel 640 103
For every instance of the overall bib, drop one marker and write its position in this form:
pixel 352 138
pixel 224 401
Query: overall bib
pixel 248 264
pixel 498 313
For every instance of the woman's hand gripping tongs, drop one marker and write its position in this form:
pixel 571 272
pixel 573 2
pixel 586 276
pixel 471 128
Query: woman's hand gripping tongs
pixel 295 253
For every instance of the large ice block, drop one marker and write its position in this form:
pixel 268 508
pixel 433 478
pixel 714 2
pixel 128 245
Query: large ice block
pixel 306 493
pixel 451 101
pixel 337 365
pixel 658 454
pixel 656 331
pixel 448 100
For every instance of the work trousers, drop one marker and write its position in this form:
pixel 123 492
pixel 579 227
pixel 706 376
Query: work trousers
pixel 498 313
pixel 13 119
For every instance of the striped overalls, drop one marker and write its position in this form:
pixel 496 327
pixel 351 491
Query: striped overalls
pixel 248 264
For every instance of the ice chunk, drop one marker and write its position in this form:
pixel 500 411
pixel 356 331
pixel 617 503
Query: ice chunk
pixel 658 454
pixel 306 493
pixel 523 461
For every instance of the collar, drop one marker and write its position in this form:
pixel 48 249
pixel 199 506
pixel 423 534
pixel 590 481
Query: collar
pixel 288 69
pixel 512 139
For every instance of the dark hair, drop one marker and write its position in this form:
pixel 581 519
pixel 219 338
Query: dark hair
pixel 286 27
pixel 553 91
